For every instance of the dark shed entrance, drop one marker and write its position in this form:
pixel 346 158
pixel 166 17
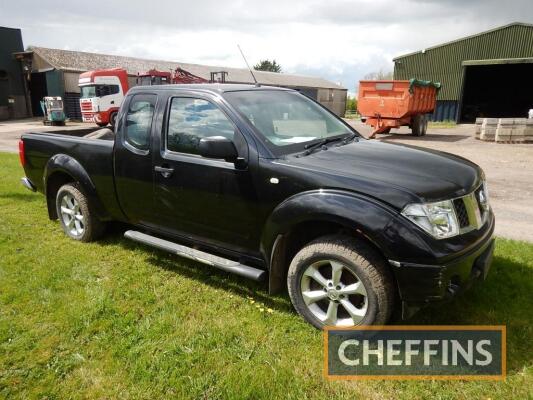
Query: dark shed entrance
pixel 37 88
pixel 497 88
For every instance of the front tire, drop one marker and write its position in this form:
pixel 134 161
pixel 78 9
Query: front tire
pixel 340 281
pixel 77 219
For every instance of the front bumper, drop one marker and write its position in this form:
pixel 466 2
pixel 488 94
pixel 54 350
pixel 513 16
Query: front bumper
pixel 421 284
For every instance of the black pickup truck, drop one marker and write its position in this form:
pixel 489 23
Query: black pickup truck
pixel 268 184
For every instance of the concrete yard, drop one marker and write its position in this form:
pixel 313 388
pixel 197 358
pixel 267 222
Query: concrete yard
pixel 509 167
pixel 10 131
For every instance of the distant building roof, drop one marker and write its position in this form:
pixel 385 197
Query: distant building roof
pixel 78 61
pixel 499 28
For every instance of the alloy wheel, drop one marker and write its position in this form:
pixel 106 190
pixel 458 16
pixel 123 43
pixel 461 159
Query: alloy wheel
pixel 71 215
pixel 333 293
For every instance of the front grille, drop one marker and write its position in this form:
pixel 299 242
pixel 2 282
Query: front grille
pixel 86 106
pixel 470 210
pixel 462 214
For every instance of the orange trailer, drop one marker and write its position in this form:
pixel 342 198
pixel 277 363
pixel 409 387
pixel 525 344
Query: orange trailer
pixel 390 104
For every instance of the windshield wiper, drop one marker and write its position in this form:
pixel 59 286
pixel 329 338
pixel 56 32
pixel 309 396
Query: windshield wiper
pixel 351 137
pixel 309 148
pixel 320 144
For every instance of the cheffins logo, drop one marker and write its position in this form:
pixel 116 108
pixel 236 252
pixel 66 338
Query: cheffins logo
pixel 415 352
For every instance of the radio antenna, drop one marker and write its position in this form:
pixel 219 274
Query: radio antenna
pixel 248 65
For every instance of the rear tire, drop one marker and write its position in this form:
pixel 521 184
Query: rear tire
pixel 75 214
pixel 362 293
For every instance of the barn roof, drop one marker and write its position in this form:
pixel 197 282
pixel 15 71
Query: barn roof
pixel 78 61
pixel 465 38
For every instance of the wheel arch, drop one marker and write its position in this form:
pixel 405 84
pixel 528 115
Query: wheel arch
pixel 308 216
pixel 62 169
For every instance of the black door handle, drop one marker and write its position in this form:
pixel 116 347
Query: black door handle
pixel 166 172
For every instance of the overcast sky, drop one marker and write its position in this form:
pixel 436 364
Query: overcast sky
pixel 336 39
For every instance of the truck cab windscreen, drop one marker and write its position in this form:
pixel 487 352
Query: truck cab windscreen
pixel 287 121
pixel 90 91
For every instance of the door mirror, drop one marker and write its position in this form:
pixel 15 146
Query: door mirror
pixel 218 147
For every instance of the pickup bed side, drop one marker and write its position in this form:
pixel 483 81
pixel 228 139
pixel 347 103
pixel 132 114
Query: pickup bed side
pixel 51 160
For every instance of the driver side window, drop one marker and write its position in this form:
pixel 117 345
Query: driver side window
pixel 190 120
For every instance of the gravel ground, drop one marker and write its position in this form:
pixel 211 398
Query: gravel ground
pixel 509 167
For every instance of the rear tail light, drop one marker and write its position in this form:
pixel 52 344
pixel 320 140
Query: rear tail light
pixel 22 154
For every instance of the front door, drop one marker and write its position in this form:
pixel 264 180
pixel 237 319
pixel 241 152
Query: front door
pixel 208 200
pixel 133 159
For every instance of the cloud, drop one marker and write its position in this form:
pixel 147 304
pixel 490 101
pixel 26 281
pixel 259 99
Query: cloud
pixel 339 40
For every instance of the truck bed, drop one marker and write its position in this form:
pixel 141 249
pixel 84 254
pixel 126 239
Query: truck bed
pixel 95 156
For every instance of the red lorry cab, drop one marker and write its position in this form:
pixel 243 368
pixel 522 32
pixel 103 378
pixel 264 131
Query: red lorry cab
pixel 101 93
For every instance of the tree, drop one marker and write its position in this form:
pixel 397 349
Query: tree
pixel 380 75
pixel 351 104
pixel 267 65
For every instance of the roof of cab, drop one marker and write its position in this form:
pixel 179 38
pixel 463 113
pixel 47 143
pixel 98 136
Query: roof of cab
pixel 208 87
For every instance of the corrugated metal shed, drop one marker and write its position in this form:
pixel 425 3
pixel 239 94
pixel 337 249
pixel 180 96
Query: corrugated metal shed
pixel 444 63
pixel 77 61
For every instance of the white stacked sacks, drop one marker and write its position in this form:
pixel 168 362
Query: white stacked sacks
pixel 528 134
pixel 511 130
pixel 488 129
pixel 479 122
pixel 504 131
pixel 519 130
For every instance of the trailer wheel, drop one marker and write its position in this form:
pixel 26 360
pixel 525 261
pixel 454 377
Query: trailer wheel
pixel 418 125
pixel 426 122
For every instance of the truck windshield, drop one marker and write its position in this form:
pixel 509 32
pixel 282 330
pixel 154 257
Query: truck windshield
pixel 87 91
pixel 286 120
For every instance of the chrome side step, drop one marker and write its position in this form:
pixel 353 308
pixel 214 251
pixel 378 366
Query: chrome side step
pixel 222 263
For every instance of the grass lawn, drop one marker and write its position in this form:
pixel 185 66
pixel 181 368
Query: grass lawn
pixel 116 320
pixel 442 124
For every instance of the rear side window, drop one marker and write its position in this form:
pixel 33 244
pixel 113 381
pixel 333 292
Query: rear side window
pixel 192 119
pixel 139 121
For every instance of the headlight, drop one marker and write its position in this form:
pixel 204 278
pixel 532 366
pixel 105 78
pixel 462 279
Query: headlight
pixel 483 196
pixel 438 219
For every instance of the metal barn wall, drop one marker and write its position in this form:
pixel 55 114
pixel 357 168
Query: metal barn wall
pixel 12 99
pixel 334 100
pixel 446 110
pixel 54 83
pixel 444 63
pixel 71 80
pixel 71 95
